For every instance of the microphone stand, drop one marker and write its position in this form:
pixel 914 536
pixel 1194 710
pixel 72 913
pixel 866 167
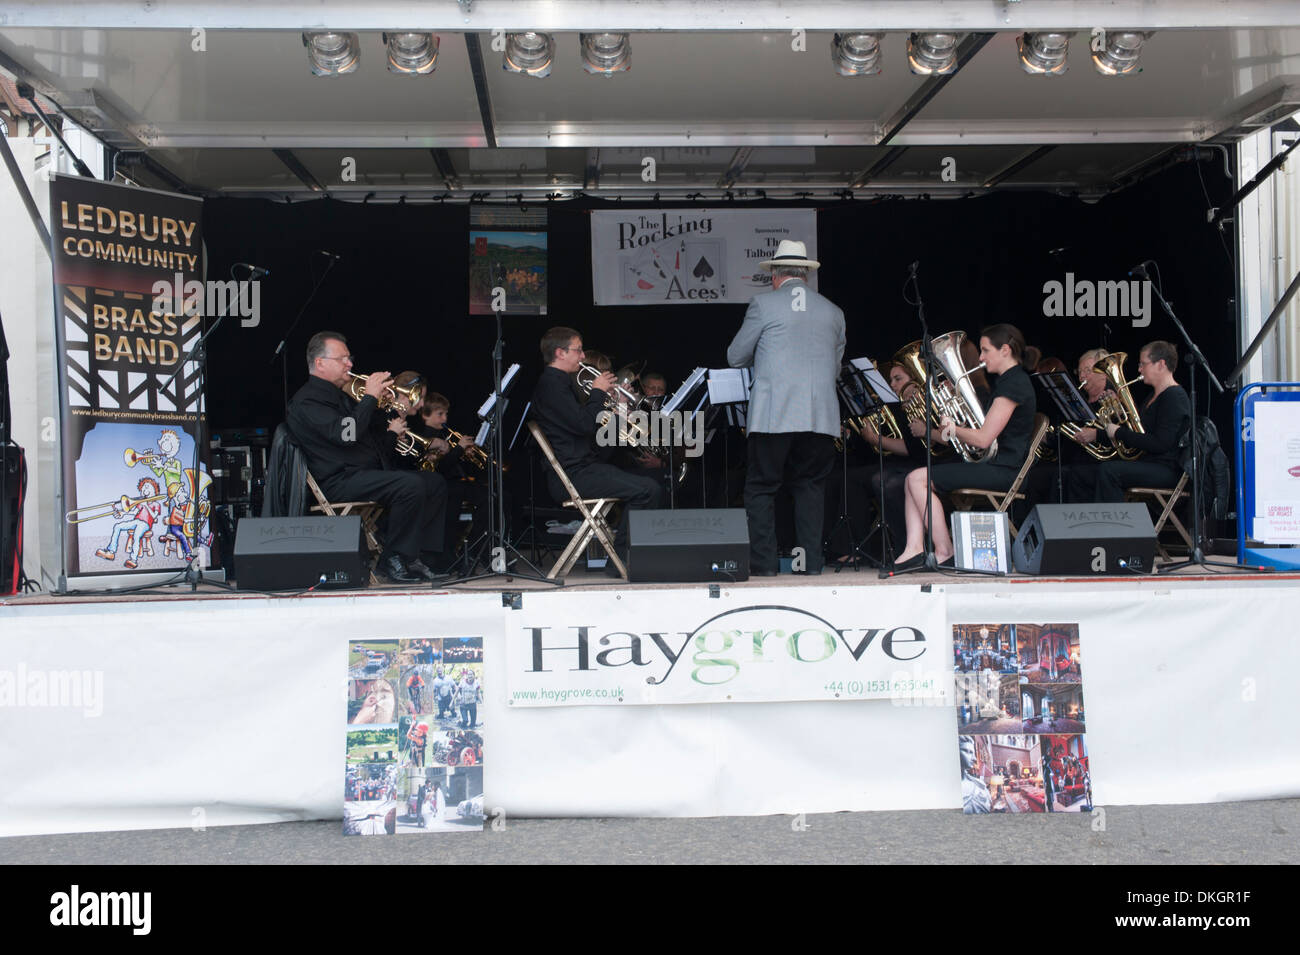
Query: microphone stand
pixel 279 349
pixel 1193 358
pixel 927 353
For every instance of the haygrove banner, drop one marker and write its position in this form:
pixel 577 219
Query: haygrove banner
pixel 761 645
pixel 690 256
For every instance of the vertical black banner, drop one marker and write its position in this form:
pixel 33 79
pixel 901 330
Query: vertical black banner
pixel 128 305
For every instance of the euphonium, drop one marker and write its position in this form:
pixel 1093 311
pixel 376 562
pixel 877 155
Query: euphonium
pixel 413 393
pixel 618 403
pixel 1097 449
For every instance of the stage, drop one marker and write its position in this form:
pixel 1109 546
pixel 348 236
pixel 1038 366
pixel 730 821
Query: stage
pixel 147 711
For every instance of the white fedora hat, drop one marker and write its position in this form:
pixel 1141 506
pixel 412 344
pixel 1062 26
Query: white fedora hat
pixel 791 253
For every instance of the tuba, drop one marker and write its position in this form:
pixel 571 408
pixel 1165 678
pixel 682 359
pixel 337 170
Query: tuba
pixel 413 393
pixel 957 394
pixel 954 396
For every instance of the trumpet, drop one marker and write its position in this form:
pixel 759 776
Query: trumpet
pixel 109 508
pixel 132 458
pixel 413 393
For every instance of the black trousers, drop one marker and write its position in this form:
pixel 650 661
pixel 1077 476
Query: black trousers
pixel 863 501
pixel 801 460
pixel 1104 482
pixel 605 480
pixel 415 504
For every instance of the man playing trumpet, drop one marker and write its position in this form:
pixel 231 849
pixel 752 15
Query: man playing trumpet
pixel 336 434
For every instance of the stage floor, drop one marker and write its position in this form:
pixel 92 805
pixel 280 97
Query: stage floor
pixel 595 580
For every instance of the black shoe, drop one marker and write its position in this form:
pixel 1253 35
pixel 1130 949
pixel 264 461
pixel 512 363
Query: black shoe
pixel 947 563
pixel 417 566
pixel 910 564
pixel 395 569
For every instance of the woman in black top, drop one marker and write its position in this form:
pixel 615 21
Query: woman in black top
pixel 1009 421
pixel 1166 419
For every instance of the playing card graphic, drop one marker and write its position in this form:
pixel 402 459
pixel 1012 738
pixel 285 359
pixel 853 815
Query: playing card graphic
pixel 703 258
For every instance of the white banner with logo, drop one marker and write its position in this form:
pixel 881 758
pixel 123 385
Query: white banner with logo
pixel 690 256
pixel 1277 472
pixel 749 645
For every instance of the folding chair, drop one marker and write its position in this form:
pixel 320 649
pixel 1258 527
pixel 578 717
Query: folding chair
pixel 1166 498
pixel 593 511
pixel 965 498
pixel 368 511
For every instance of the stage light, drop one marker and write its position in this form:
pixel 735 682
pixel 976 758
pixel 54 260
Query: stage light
pixel 932 53
pixel 529 53
pixel 856 54
pixel 1120 53
pixel 415 53
pixel 606 52
pixel 332 53
pixel 1043 52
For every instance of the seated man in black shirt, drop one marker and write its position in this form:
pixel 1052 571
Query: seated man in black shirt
pixel 569 423
pixel 339 437
pixel 1166 419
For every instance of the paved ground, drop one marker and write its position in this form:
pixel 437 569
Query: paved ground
pixel 1222 833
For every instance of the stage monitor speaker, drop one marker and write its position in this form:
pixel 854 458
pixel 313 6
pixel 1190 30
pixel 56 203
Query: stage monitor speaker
pixel 688 545
pixel 294 553
pixel 1086 540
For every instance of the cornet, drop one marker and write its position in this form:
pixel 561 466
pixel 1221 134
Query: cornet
pixel 410 443
pixel 413 393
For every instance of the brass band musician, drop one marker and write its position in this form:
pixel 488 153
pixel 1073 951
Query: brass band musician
pixel 1009 421
pixel 1166 419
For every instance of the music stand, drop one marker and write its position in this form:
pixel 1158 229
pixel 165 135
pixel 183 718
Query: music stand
pixel 859 387
pixel 1073 406
pixel 691 388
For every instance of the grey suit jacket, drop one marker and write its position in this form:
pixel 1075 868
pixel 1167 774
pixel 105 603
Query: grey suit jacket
pixel 796 358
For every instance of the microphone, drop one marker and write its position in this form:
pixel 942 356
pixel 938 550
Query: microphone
pixel 254 271
pixel 1140 270
pixel 329 255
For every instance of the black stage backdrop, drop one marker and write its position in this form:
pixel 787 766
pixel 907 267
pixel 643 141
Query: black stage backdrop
pixel 400 291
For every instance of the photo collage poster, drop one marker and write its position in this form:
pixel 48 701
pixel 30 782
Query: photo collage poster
pixel 414 751
pixel 1020 718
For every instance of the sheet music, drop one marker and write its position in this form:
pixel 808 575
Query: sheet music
pixel 481 438
pixel 507 380
pixel 728 386
pixel 878 383
pixel 684 392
